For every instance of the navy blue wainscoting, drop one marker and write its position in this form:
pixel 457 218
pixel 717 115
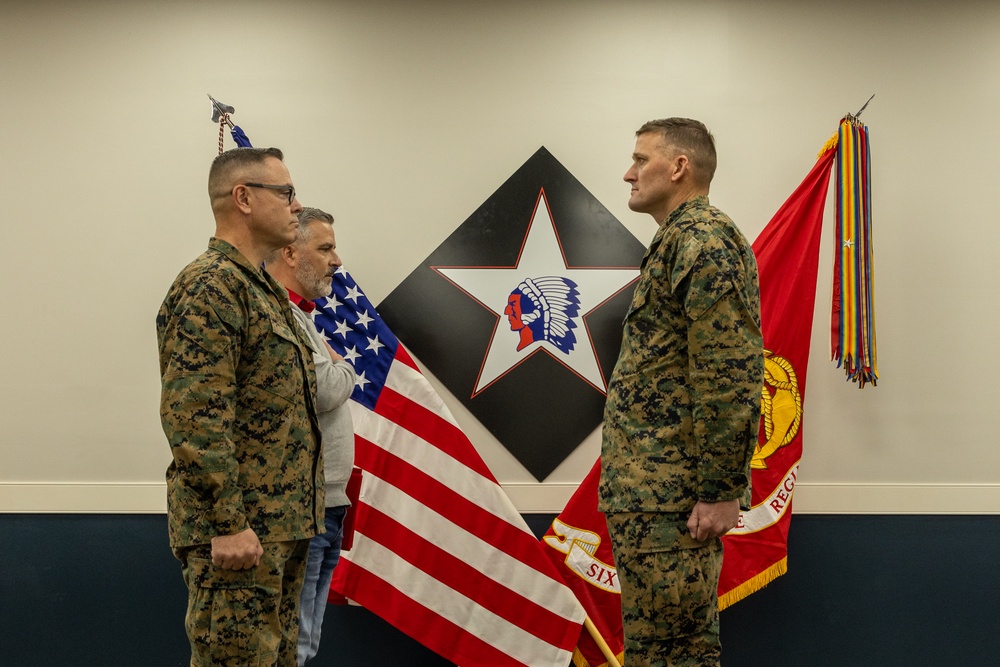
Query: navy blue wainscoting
pixel 81 590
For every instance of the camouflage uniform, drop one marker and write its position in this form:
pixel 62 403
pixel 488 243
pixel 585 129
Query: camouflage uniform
pixel 680 425
pixel 238 390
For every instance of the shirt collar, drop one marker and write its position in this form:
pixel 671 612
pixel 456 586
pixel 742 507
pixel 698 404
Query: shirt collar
pixel 305 304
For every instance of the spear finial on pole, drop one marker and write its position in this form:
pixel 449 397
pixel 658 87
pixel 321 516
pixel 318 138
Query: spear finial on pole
pixel 220 112
pixel 220 115
pixel 855 116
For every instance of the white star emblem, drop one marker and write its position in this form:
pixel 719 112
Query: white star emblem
pixel 361 380
pixel 848 244
pixel 541 255
pixel 375 345
pixel 353 293
pixel 332 303
pixel 343 328
pixel 364 319
pixel 351 354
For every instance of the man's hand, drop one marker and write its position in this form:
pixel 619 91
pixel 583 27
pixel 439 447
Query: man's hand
pixel 711 520
pixel 333 354
pixel 241 551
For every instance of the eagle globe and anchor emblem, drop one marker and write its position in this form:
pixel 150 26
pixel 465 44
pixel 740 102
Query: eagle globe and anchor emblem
pixel 780 411
pixel 781 417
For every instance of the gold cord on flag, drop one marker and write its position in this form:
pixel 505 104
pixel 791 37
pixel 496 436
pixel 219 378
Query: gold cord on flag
pixel 222 129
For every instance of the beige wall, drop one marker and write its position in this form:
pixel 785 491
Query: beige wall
pixel 402 117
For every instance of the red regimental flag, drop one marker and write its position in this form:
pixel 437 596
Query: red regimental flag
pixel 578 543
pixel 787 252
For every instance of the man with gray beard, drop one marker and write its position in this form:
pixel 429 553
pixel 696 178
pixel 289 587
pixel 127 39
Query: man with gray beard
pixel 306 268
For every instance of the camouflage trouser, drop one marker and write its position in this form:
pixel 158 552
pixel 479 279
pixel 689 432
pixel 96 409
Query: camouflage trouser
pixel 244 618
pixel 669 590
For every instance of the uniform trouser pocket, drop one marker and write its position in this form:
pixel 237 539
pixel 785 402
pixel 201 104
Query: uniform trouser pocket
pixel 669 589
pixel 242 618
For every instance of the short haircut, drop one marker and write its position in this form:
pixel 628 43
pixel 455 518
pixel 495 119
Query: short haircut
pixel 690 137
pixel 237 164
pixel 306 216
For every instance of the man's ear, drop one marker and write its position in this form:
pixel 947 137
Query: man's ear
pixel 288 254
pixel 681 166
pixel 241 197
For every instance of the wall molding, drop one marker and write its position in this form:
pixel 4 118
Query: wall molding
pixel 868 498
pixel 819 498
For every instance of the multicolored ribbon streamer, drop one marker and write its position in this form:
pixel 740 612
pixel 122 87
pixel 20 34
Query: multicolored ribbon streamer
pixel 853 318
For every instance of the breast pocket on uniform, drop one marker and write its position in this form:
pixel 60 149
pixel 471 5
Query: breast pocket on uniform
pixel 280 328
pixel 640 297
pixel 280 360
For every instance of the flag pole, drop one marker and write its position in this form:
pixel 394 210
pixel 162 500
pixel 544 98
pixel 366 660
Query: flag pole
pixel 601 644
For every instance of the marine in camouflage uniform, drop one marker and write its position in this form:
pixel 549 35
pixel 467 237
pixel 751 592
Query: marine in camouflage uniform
pixel 682 411
pixel 238 390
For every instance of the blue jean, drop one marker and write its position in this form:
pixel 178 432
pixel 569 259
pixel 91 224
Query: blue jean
pixel 324 552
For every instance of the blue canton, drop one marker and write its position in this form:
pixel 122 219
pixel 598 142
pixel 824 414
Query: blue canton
pixel 350 323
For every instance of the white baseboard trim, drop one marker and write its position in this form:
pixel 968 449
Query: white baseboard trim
pixel 150 498
pixel 819 498
pixel 83 498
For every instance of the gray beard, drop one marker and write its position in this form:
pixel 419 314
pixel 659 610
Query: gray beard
pixel 316 283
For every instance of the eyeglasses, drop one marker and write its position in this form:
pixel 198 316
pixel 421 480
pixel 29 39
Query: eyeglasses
pixel 286 190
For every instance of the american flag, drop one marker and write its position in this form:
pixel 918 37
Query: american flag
pixel 439 550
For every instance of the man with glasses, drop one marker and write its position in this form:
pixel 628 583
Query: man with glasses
pixel 244 489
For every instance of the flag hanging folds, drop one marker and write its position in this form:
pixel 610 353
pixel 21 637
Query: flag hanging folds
pixel 578 544
pixel 439 550
pixel 787 252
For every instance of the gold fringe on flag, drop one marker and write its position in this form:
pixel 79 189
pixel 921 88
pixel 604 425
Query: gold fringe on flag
pixel 853 318
pixel 754 584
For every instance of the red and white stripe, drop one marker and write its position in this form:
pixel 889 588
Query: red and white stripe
pixel 439 550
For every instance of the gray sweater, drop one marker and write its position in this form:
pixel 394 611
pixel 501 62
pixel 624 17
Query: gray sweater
pixel 334 384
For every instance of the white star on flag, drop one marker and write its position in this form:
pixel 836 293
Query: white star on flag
pixel 374 345
pixel 353 293
pixel 360 380
pixel 351 354
pixel 343 328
